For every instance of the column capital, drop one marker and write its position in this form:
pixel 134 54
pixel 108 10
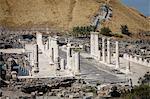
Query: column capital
pixel 95 33
pixel 108 39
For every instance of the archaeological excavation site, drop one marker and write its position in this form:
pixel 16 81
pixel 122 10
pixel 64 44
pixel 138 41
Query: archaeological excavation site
pixel 74 49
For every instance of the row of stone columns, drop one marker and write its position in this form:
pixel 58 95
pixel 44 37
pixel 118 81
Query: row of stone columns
pixel 96 53
pixel 51 48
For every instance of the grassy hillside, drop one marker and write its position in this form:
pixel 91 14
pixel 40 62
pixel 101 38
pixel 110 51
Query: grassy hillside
pixel 65 14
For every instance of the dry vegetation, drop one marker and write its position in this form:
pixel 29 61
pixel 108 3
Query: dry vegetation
pixel 66 14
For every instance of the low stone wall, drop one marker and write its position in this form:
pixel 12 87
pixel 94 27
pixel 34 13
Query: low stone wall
pixel 137 60
pixel 17 51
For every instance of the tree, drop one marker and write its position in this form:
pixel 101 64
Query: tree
pixel 82 31
pixel 105 31
pixel 114 92
pixel 125 30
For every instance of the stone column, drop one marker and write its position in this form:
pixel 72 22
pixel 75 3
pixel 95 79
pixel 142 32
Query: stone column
pixel 128 67
pixel 62 64
pixel 51 57
pixel 68 58
pixel 99 55
pixel 117 55
pixel 32 58
pixel 39 41
pixel 108 51
pixel 56 52
pixel 53 42
pixel 47 46
pixel 96 45
pixel 47 30
pixel 49 42
pixel 103 50
pixel 36 59
pixel 92 47
pixel 77 63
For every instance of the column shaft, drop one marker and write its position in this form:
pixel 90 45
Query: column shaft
pixel 77 63
pixel 68 58
pixel 96 45
pixel 36 59
pixel 117 55
pixel 103 50
pixel 108 52
pixel 128 67
pixel 39 41
pixel 56 53
pixel 62 64
pixel 92 44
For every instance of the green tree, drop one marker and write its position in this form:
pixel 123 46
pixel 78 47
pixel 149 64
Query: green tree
pixel 82 31
pixel 105 31
pixel 125 30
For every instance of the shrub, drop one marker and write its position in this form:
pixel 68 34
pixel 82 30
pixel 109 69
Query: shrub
pixel 82 31
pixel 125 30
pixel 105 31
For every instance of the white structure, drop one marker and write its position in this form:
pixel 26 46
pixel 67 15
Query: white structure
pixel 62 64
pixel 36 59
pixel 52 50
pixel 117 55
pixel 73 60
pixel 103 50
pixel 68 57
pixel 39 41
pixel 94 44
pixel 108 51
pixel 96 53
pixel 77 63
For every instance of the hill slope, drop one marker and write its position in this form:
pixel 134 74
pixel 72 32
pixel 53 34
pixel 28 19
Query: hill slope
pixel 66 14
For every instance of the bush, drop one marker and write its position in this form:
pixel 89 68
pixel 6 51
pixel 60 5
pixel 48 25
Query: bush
pixel 125 30
pixel 105 31
pixel 82 31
